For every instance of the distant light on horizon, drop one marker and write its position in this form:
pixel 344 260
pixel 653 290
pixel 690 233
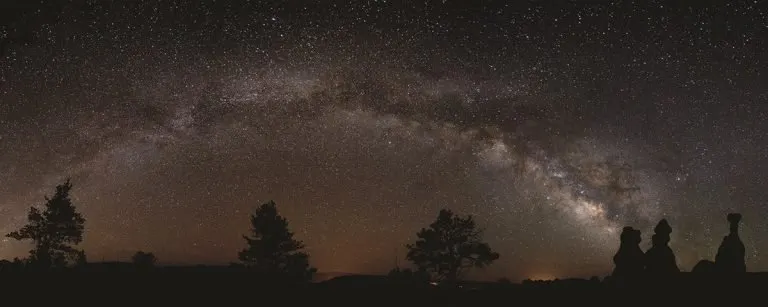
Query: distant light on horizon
pixel 542 277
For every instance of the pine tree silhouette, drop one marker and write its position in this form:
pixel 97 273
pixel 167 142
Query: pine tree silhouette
pixel 450 246
pixel 272 250
pixel 53 231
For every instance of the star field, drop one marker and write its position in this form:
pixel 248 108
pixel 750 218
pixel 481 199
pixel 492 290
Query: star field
pixel 554 124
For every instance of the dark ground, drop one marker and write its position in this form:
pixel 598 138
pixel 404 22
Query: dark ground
pixel 200 286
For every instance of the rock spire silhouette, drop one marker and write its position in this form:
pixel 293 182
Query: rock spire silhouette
pixel 660 259
pixel 730 255
pixel 629 259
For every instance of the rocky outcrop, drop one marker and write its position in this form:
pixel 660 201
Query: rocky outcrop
pixel 659 259
pixel 730 255
pixel 629 260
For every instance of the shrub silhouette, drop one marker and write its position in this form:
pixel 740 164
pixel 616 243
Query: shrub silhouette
pixel 451 245
pixel 272 250
pixel 144 260
pixel 53 231
pixel 12 266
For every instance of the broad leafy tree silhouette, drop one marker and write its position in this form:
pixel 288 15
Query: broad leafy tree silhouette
pixel 144 260
pixel 451 245
pixel 272 250
pixel 54 231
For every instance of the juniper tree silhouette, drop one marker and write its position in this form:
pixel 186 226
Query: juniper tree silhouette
pixel 272 250
pixel 53 231
pixel 451 245
pixel 144 260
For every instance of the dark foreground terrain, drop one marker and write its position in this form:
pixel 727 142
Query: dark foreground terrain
pixel 219 288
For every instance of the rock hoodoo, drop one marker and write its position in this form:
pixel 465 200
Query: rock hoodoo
pixel 629 260
pixel 660 259
pixel 730 255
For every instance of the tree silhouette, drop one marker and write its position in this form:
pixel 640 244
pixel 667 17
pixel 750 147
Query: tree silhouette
pixel 53 231
pixel 271 248
pixel 144 260
pixel 11 266
pixel 451 245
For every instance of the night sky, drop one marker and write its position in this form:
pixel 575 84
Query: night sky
pixel 554 124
